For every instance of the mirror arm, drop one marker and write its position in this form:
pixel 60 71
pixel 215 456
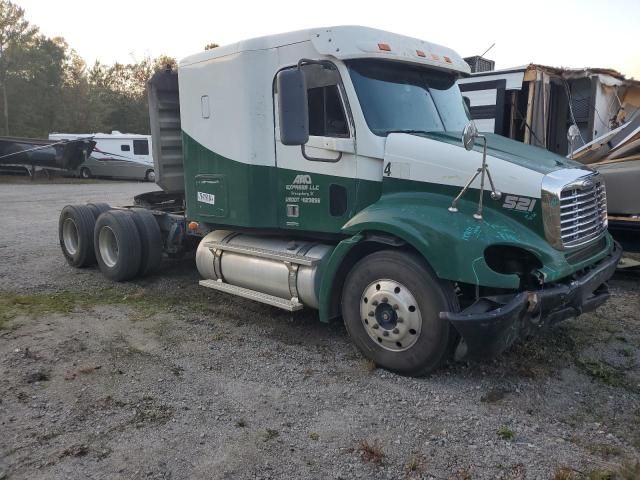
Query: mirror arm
pixel 484 169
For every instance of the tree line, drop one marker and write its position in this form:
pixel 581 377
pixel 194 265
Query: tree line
pixel 45 86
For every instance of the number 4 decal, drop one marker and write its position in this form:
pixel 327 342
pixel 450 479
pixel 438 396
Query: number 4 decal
pixel 387 169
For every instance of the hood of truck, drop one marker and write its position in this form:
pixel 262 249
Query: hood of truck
pixel 518 153
pixel 440 160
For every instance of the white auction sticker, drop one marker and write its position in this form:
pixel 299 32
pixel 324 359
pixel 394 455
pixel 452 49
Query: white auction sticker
pixel 207 198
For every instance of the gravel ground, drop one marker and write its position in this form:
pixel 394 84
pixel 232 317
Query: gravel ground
pixel 160 378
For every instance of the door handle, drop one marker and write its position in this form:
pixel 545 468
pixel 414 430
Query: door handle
pixel 319 159
pixel 336 144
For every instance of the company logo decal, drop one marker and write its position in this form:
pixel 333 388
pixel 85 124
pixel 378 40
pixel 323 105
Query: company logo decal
pixel 302 180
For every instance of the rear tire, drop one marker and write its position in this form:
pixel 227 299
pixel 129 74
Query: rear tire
pixel 391 303
pixel 117 245
pixel 98 209
pixel 150 240
pixel 75 232
pixel 85 173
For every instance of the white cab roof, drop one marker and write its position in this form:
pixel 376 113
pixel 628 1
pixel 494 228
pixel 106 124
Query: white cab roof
pixel 348 42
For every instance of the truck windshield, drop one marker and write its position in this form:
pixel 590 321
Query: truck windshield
pixel 399 97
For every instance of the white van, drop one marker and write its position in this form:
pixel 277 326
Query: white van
pixel 117 155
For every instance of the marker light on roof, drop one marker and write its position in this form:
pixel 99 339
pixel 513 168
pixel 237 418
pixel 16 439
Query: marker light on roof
pixel 384 47
pixel 420 53
pixel 447 59
pixel 435 57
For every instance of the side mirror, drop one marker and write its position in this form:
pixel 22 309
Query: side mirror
pixel 467 102
pixel 293 107
pixel 469 135
pixel 572 135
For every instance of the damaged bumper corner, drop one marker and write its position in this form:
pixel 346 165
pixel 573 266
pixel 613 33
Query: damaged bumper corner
pixel 492 324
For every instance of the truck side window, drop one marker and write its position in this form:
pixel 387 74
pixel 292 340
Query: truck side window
pixel 125 148
pixel 141 147
pixel 326 114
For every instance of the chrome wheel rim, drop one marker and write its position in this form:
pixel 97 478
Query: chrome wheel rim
pixel 390 315
pixel 151 176
pixel 108 246
pixel 70 236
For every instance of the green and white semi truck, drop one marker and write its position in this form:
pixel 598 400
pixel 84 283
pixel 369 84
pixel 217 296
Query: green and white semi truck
pixel 336 169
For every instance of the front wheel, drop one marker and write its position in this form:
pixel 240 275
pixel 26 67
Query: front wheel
pixel 150 176
pixel 390 305
pixel 85 173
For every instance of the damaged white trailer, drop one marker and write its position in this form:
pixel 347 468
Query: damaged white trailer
pixel 537 104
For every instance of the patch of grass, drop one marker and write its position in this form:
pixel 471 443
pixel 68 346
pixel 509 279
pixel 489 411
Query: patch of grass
pixel 414 466
pixel 627 471
pixel 564 473
pixel 505 433
pixel 369 365
pixel 75 451
pixel 602 371
pixel 494 394
pixel 150 411
pixel 541 356
pixel 37 376
pixel 371 452
pixel 89 370
pixel 605 451
pixel 13 304
pixel 270 434
pixel 314 436
pixel 600 475
pixel 463 474
pixel 625 352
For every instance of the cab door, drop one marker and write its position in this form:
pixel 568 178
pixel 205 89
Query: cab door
pixel 316 181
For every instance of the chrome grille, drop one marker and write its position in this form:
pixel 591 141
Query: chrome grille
pixel 574 207
pixel 583 213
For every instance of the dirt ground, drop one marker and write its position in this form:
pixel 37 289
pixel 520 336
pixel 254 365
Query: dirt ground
pixel 162 379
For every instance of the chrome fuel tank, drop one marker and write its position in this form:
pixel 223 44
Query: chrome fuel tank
pixel 284 268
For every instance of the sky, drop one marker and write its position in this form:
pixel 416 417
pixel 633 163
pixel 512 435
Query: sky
pixel 586 33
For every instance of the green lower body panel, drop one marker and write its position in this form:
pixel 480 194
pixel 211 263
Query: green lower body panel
pixel 224 192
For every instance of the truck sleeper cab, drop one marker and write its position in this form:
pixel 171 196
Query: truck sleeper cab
pixel 319 168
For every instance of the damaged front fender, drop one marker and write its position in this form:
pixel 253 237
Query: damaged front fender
pixel 492 324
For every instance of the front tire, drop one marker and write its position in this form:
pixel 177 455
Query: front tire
pixel 391 303
pixel 85 173
pixel 150 176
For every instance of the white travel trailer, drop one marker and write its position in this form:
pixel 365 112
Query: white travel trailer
pixel 118 155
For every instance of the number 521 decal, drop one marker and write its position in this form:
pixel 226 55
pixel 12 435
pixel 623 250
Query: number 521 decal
pixel 522 204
